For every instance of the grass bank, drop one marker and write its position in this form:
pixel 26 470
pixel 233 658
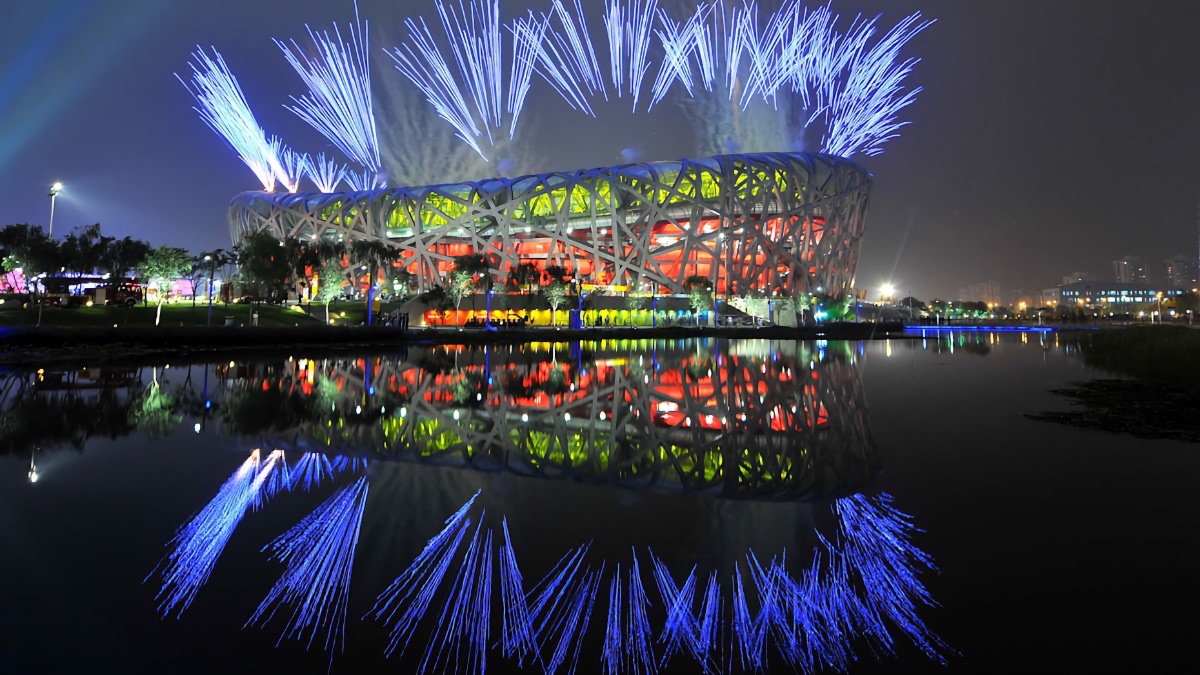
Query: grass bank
pixel 187 316
pixel 92 344
pixel 1165 354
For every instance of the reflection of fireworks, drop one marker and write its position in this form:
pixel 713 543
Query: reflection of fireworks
pixel 201 540
pixel 864 584
pixel 319 553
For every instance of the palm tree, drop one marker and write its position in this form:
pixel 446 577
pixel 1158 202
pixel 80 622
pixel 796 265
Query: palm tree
pixel 373 255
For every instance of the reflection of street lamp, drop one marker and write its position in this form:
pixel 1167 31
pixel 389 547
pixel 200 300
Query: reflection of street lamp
pixel 54 190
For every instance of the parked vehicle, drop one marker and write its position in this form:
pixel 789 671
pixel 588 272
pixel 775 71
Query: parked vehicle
pixel 127 293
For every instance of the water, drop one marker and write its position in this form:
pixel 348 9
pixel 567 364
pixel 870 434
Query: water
pixel 1053 546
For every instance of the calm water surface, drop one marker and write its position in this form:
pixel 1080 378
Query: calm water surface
pixel 740 506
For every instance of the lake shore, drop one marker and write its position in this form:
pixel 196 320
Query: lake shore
pixel 32 346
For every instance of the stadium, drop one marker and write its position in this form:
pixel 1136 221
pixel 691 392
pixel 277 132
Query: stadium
pixel 767 223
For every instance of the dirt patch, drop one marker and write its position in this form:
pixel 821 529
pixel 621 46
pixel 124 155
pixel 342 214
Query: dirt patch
pixel 1143 409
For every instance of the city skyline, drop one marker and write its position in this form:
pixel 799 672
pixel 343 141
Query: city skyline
pixel 1006 172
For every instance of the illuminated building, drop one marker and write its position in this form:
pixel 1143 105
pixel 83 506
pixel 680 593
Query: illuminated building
pixel 786 222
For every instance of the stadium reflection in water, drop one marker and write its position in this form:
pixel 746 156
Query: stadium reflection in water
pixel 754 539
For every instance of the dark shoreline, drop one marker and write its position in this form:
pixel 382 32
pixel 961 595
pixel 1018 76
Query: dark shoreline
pixel 31 346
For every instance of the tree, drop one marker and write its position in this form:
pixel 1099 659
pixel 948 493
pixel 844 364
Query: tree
pixel 84 249
pixel 28 249
pixel 162 266
pixel 372 255
pixel 523 276
pixel 471 271
pixel 800 303
pixel 121 256
pixel 699 291
pixel 402 282
pixel 462 284
pixel 263 262
pixel 209 262
pixel 634 303
pixel 556 295
pixel 330 287
pixel 437 299
pixel 556 273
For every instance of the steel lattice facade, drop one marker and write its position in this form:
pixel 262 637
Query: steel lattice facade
pixel 786 222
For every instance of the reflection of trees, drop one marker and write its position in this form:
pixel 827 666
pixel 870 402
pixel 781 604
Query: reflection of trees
pixel 154 412
pixel 47 418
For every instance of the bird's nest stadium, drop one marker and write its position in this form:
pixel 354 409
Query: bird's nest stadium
pixel 768 223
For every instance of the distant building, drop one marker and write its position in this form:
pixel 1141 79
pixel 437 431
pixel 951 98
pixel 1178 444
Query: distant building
pixel 986 291
pixel 1076 277
pixel 1097 293
pixel 1050 297
pixel 1131 269
pixel 1181 272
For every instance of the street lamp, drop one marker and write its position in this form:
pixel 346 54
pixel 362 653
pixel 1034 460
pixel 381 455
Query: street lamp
pixel 212 271
pixel 887 291
pixel 1159 297
pixel 54 190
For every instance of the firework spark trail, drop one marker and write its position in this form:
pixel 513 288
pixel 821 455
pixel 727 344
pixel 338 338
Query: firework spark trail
pixel 475 43
pixel 527 37
pixel 324 172
pixel 574 39
pixel 863 113
pixel 768 608
pixel 471 94
pixel 312 469
pixel 319 554
pixel 678 43
pixel 612 657
pixel 629 29
pixel 468 615
pixel 562 605
pixel 278 479
pixel 516 634
pixel 578 617
pixel 679 631
pixel 362 182
pixel 706 633
pixel 744 631
pixel 353 464
pixel 877 540
pixel 293 165
pixel 338 103
pixel 424 65
pixel 640 645
pixel 549 58
pixel 412 592
pixel 199 543
pixel 223 107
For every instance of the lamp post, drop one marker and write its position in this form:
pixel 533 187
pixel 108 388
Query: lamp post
pixel 212 270
pixel 54 190
pixel 1159 297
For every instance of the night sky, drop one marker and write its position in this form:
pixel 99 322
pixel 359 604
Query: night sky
pixel 1053 135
